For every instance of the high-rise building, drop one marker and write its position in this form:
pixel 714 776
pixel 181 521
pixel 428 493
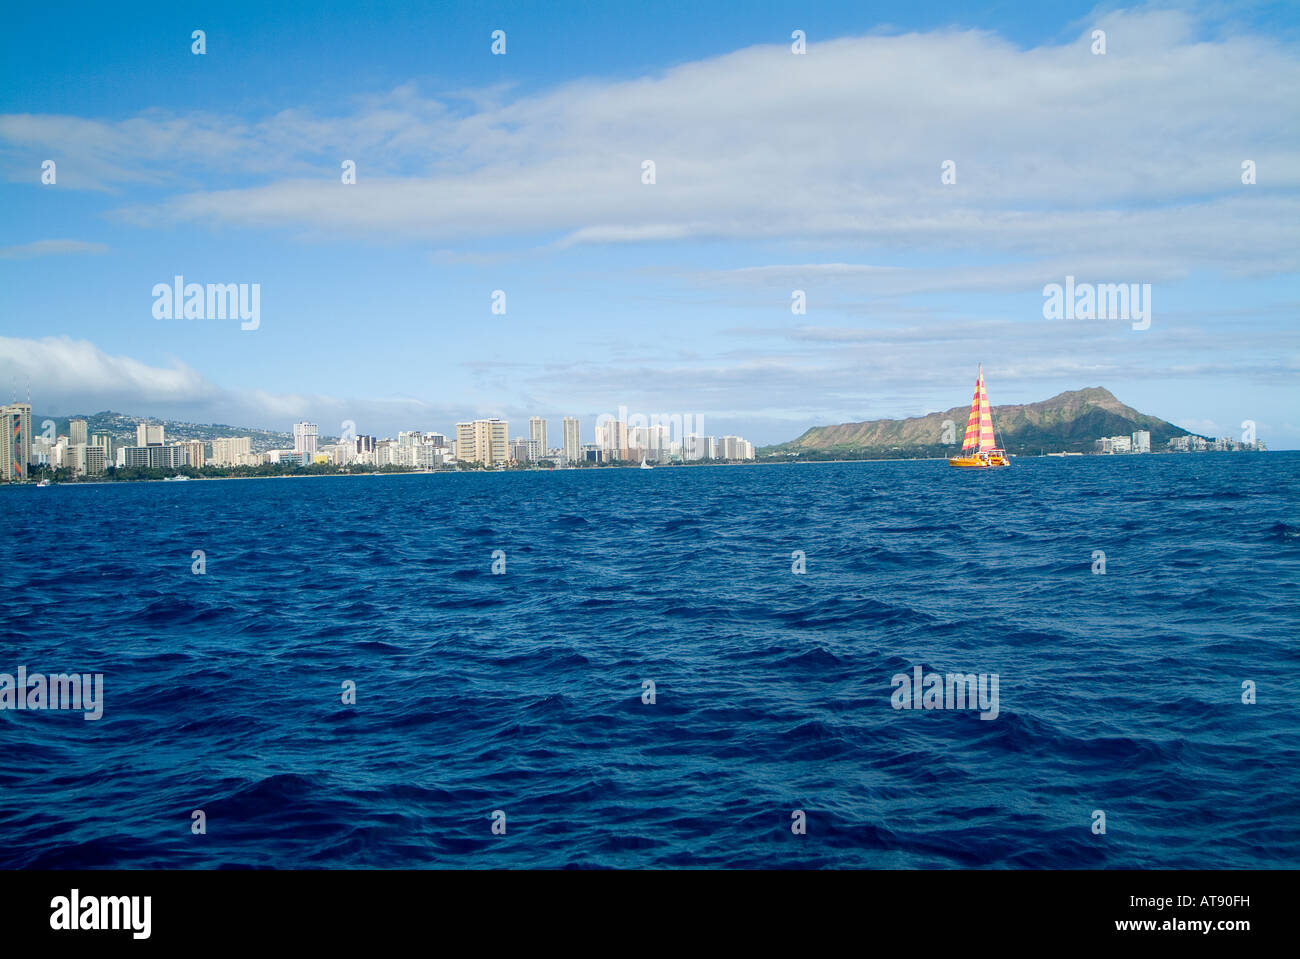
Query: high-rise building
pixel 15 441
pixel 231 450
pixel 96 459
pixel 194 452
pixel 611 437
pixel 154 456
pixel 146 435
pixel 734 448
pixel 697 447
pixel 572 439
pixel 537 433
pixel 304 438
pixel 649 442
pixel 85 459
pixel 1141 441
pixel 77 432
pixel 524 451
pixel 105 442
pixel 482 441
pixel 42 451
pixel 76 457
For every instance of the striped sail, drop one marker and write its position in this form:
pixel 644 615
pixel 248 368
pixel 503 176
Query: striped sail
pixel 979 426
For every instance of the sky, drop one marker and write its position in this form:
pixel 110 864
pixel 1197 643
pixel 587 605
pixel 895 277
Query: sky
pixel 524 172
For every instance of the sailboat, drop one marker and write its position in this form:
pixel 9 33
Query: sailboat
pixel 645 465
pixel 979 450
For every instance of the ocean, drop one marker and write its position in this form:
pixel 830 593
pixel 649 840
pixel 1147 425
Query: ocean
pixel 503 719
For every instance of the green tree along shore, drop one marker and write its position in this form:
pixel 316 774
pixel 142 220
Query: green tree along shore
pixel 127 474
pixel 131 473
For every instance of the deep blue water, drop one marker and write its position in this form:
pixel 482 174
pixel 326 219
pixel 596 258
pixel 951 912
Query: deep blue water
pixel 523 691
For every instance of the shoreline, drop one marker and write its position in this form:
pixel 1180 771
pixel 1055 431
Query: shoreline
pixel 597 469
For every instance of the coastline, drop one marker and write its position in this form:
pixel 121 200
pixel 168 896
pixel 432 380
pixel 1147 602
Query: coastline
pixel 598 469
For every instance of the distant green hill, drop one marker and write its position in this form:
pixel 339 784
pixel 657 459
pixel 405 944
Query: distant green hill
pixel 122 428
pixel 1067 423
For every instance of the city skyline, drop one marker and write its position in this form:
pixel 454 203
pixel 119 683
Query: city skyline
pixel 802 257
pixel 483 442
pixel 619 439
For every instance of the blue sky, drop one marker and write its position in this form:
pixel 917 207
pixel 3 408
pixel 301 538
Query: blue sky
pixel 774 172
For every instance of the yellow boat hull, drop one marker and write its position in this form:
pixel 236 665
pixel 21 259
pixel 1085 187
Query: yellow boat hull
pixel 982 461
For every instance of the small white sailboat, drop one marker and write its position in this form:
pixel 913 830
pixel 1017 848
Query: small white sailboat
pixel 645 465
pixel 45 481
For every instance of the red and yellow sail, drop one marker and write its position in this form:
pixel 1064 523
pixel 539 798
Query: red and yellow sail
pixel 979 448
pixel 979 426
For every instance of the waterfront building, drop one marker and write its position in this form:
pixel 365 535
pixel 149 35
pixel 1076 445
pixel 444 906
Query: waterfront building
pixel 76 458
pixel 483 441
pixel 611 439
pixel 42 451
pixel 154 456
pixel 697 447
pixel 649 442
pixel 523 451
pixel 96 460
pixel 193 453
pixel 85 460
pixel 571 438
pixel 15 442
pixel 288 457
pixel 304 438
pixel 231 450
pixel 537 434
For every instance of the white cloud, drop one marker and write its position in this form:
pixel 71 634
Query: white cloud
pixel 1137 152
pixel 64 366
pixel 68 375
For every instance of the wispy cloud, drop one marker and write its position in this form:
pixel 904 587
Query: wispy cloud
pixel 77 376
pixel 1092 157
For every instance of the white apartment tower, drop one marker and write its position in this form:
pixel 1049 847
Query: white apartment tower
pixel 304 438
pixel 537 433
pixel 572 438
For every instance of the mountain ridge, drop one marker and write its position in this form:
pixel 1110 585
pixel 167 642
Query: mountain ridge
pixel 1071 421
pixel 121 426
